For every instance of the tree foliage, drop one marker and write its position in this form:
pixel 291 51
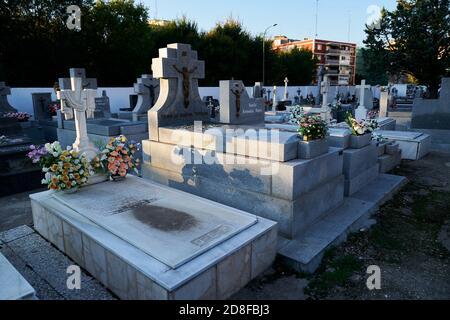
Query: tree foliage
pixel 116 44
pixel 414 39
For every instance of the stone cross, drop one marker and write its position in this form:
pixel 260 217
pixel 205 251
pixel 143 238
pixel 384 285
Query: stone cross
pixel 147 90
pixel 87 83
pixel 79 103
pixel 286 94
pixel 324 92
pixel 5 107
pixel 325 111
pixel 361 111
pixel 179 103
pixel 274 101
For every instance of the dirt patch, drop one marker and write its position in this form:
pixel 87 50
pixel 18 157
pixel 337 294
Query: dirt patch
pixel 408 244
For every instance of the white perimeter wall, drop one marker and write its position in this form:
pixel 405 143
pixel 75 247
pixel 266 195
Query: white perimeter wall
pixel 20 98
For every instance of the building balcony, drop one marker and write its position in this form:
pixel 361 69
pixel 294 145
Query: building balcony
pixel 331 62
pixel 334 72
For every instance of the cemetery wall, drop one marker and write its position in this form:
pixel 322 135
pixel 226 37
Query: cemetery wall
pixel 20 98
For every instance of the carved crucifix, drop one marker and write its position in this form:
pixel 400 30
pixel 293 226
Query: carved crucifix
pixel 186 82
pixel 151 89
pixel 237 93
pixel 79 103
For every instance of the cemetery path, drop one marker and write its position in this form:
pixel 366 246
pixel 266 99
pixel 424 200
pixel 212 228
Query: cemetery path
pixel 410 243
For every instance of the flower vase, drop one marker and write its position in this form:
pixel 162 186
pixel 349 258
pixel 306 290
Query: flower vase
pixel 309 149
pixel 360 141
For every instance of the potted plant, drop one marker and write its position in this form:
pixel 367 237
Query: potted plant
pixel 361 132
pixel 65 170
pixel 313 131
pixel 117 158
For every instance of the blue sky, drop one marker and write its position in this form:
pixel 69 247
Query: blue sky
pixel 295 18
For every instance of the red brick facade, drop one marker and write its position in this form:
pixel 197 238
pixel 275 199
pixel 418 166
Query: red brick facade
pixel 338 58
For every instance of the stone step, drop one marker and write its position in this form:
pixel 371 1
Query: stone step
pixel 306 252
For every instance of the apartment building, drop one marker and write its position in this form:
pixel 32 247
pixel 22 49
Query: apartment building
pixel 337 58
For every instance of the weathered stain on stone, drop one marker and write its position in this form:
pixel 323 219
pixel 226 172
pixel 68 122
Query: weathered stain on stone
pixel 164 219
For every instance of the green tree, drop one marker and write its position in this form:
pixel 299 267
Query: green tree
pixel 414 40
pixel 298 65
pixel 370 68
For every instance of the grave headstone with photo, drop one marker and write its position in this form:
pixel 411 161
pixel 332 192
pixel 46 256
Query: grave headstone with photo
pixel 236 107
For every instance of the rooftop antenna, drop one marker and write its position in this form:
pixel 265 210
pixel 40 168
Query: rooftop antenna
pixel 349 24
pixel 317 19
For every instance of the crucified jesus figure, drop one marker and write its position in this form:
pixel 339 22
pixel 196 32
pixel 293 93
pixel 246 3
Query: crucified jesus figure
pixel 151 88
pixel 186 83
pixel 238 94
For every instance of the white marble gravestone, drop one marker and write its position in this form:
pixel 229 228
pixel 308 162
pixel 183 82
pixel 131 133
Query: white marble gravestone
pixel 258 90
pixel 325 111
pixel 286 93
pixel 236 107
pixel 173 232
pixel 79 103
pixel 274 99
pixel 384 101
pixel 361 111
pixel 5 91
pixel 179 102
pixel 147 90
pixel 146 241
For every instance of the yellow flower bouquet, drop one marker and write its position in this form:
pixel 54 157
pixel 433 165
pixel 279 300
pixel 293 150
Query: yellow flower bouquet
pixel 64 169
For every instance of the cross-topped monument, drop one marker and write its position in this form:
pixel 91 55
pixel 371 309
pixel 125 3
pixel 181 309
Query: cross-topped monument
pixel 5 107
pixel 86 83
pixel 361 111
pixel 79 103
pixel 325 112
pixel 179 102
pixel 286 94
pixel 147 89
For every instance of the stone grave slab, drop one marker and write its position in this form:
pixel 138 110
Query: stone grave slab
pixel 13 284
pixel 132 273
pixel 157 221
pixel 414 145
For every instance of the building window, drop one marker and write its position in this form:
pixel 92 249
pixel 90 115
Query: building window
pixel 319 47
